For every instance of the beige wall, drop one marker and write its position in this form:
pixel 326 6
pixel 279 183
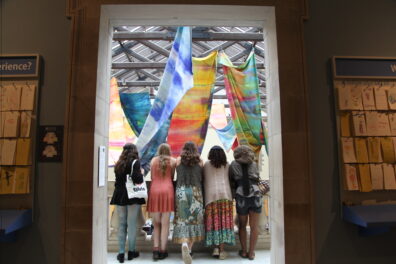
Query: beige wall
pixel 342 28
pixel 40 27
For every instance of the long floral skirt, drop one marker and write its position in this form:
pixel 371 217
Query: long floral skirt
pixel 219 223
pixel 189 216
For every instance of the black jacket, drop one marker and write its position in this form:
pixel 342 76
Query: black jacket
pixel 120 194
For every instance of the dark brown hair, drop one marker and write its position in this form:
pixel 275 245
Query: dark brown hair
pixel 129 153
pixel 189 155
pixel 217 157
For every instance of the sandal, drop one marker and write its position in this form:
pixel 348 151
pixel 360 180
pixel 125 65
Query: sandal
pixel 252 257
pixel 240 253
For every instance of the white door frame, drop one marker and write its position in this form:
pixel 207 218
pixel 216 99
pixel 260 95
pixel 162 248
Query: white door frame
pixel 189 15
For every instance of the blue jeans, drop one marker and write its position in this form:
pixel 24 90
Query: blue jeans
pixel 127 218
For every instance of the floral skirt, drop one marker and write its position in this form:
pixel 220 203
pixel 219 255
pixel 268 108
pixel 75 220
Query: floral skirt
pixel 189 216
pixel 219 223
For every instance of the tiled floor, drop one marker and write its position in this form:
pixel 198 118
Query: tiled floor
pixel 262 257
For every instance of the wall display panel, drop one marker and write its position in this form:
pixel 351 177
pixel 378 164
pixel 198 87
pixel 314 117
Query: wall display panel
pixel 19 86
pixel 365 102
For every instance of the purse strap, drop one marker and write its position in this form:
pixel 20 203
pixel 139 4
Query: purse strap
pixel 133 163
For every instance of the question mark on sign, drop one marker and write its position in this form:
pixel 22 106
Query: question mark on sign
pixel 30 64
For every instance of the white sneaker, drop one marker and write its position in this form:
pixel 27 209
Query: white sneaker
pixel 216 252
pixel 186 253
pixel 223 255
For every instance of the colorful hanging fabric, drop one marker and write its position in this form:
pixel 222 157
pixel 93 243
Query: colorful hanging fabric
pixel 119 130
pixel 265 130
pixel 136 108
pixel 227 135
pixel 218 118
pixel 191 116
pixel 148 153
pixel 176 81
pixel 242 90
pixel 225 131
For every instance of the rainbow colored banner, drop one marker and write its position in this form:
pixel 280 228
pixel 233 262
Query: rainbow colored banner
pixel 225 131
pixel 148 153
pixel 119 129
pixel 176 81
pixel 218 118
pixel 242 90
pixel 136 108
pixel 227 135
pixel 190 118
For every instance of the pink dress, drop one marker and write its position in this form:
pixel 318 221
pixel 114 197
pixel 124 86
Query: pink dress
pixel 162 194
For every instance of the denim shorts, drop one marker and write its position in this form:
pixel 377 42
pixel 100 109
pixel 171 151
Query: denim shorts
pixel 246 204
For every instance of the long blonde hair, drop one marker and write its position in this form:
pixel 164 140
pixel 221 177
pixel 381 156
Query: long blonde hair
pixel 164 155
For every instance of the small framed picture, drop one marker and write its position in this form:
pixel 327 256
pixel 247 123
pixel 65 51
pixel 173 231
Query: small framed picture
pixel 50 144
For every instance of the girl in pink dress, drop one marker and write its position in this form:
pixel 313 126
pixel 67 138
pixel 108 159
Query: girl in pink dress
pixel 161 198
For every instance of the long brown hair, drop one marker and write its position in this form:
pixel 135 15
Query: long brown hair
pixel 129 153
pixel 189 155
pixel 164 153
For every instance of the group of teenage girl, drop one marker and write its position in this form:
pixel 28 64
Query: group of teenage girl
pixel 201 197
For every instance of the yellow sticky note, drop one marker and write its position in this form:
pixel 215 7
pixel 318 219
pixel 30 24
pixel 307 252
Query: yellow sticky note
pixel 377 176
pixel 389 176
pixel 388 153
pixel 368 97
pixel 345 120
pixel 23 152
pixel 348 150
pixel 351 177
pixel 22 176
pixel 361 150
pixel 374 149
pixel 359 123
pixel 364 177
pixel 7 180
